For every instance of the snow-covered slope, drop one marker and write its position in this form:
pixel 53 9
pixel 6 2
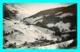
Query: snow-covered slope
pixel 19 32
pixel 52 28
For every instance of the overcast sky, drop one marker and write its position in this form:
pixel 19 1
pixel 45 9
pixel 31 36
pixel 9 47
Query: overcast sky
pixel 32 8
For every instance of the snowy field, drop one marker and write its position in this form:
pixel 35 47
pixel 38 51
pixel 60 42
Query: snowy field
pixel 39 26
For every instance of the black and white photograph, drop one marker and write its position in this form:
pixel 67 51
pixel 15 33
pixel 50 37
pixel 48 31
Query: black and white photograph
pixel 40 25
